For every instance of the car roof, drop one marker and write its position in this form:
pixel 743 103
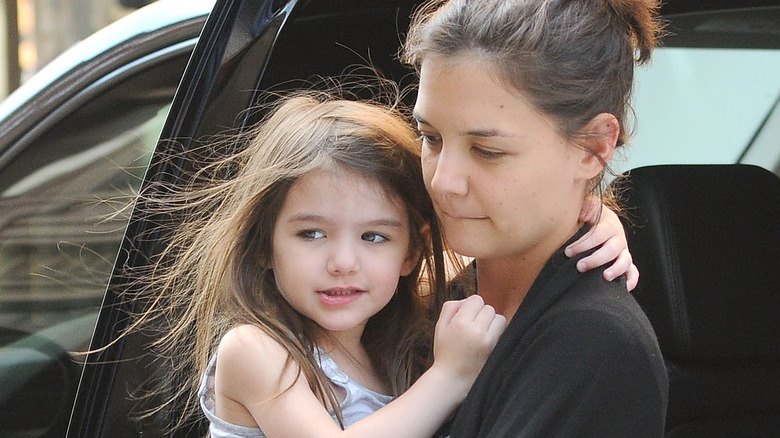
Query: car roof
pixel 157 15
pixel 163 13
pixel 687 6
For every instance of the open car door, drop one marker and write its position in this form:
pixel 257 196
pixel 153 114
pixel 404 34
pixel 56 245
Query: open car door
pixel 246 49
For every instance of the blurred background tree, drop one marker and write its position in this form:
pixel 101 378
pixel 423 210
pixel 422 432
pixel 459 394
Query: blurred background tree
pixel 34 32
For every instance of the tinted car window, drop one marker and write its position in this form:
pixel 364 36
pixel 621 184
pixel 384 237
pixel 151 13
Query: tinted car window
pixel 63 212
pixel 710 93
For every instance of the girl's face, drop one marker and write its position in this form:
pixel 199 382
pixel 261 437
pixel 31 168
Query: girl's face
pixel 340 244
pixel 504 182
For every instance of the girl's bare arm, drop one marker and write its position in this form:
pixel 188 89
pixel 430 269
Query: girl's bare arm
pixel 251 380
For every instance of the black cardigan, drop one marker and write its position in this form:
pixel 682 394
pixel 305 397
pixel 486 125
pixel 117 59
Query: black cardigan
pixel 579 358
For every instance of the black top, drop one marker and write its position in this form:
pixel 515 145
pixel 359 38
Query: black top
pixel 579 358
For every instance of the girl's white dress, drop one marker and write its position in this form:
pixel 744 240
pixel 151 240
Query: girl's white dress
pixel 358 403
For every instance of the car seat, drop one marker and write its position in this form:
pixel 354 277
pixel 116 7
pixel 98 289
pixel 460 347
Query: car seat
pixel 706 240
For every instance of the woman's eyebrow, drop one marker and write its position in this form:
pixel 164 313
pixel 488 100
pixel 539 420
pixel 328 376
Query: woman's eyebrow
pixel 420 119
pixel 488 133
pixel 482 133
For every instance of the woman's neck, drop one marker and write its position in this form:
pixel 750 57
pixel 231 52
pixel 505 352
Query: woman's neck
pixel 504 282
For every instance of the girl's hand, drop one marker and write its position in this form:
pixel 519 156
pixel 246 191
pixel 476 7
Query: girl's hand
pixel 466 332
pixel 606 230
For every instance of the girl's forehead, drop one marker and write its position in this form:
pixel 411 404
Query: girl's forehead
pixel 340 181
pixel 343 200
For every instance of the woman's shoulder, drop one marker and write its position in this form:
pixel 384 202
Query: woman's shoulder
pixel 604 325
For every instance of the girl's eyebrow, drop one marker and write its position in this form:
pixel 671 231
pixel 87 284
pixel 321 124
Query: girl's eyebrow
pixel 382 222
pixel 392 223
pixel 306 217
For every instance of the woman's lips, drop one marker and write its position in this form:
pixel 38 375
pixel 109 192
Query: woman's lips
pixel 463 216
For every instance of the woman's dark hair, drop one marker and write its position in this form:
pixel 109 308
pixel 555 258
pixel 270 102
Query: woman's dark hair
pixel 573 59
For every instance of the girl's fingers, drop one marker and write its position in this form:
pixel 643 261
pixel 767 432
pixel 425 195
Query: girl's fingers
pixel 632 278
pixel 485 316
pixel 448 311
pixel 497 326
pixel 609 251
pixel 621 265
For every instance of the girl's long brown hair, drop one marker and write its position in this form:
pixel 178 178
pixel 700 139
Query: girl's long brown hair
pixel 215 270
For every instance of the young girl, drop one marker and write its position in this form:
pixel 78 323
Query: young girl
pixel 306 274
pixel 335 230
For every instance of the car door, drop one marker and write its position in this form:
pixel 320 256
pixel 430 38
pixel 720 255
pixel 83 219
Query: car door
pixel 247 48
pixel 75 141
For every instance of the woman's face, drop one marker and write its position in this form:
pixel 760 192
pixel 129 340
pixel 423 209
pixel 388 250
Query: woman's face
pixel 504 182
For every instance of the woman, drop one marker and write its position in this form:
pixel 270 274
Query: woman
pixel 521 105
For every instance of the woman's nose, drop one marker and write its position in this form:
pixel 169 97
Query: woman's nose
pixel 449 175
pixel 343 259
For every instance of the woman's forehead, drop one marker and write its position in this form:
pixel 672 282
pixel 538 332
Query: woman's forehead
pixel 465 95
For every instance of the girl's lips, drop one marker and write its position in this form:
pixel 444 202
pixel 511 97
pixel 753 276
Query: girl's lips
pixel 339 297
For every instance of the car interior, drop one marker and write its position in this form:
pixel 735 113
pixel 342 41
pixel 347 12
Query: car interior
pixel 705 240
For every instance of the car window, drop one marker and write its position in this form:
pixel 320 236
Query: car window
pixel 63 213
pixel 696 105
pixel 696 102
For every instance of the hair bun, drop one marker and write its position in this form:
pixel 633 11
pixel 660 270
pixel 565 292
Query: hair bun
pixel 641 19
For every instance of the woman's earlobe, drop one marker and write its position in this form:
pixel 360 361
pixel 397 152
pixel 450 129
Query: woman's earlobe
pixel 425 231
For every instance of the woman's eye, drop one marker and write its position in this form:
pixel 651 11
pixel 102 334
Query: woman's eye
pixel 312 234
pixel 429 138
pixel 487 153
pixel 373 237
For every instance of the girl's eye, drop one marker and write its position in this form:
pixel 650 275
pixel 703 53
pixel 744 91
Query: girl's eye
pixel 312 234
pixel 373 237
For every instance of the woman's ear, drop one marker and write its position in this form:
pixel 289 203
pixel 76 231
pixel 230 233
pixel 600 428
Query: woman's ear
pixel 600 139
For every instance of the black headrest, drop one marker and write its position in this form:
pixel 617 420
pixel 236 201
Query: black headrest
pixel 706 240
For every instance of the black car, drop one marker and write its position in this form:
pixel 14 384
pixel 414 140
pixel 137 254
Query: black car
pixel 75 141
pixel 710 96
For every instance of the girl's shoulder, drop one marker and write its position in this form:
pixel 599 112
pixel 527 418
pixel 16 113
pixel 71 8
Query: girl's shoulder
pixel 247 350
pixel 248 341
pixel 247 336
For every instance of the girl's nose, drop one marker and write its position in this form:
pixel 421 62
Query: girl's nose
pixel 343 259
